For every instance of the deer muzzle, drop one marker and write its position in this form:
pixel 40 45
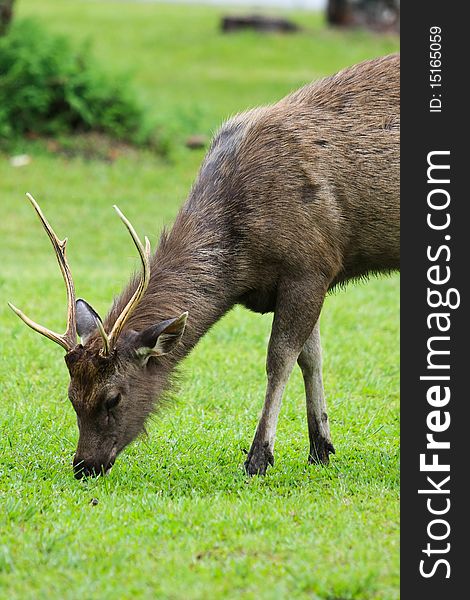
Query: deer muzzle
pixel 90 468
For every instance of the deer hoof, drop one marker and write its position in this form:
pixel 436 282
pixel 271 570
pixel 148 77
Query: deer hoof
pixel 320 451
pixel 258 460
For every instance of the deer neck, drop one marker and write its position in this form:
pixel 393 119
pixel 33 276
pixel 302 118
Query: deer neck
pixel 190 271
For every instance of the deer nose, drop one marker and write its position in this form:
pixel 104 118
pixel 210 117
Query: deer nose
pixel 84 468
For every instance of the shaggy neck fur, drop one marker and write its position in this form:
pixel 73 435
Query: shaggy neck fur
pixel 188 273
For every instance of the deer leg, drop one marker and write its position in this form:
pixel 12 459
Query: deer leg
pixel 310 361
pixel 297 309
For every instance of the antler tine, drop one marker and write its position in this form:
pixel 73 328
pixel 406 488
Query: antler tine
pixel 55 337
pixel 69 338
pixel 144 254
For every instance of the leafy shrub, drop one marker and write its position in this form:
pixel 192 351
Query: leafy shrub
pixel 48 88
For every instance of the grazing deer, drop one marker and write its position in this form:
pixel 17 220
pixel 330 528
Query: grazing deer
pixel 291 200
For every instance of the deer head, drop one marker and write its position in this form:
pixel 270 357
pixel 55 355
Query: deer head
pixel 115 377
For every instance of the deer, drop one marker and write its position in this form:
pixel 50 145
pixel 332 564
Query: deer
pixel 291 200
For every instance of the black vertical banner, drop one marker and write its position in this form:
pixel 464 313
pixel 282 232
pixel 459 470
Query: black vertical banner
pixel 435 333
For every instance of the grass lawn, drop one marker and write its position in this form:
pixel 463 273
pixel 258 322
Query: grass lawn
pixel 176 518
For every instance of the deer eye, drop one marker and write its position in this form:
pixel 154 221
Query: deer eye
pixel 113 401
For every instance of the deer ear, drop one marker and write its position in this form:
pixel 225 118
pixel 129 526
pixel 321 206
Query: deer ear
pixel 161 338
pixel 87 320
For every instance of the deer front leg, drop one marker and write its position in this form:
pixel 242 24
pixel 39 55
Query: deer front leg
pixel 310 361
pixel 297 309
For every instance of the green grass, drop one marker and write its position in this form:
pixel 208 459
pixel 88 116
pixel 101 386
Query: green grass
pixel 177 518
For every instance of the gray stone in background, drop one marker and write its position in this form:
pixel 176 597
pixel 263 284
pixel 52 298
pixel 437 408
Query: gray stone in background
pixel 253 4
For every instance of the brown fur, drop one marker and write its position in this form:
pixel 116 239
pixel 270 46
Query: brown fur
pixel 291 200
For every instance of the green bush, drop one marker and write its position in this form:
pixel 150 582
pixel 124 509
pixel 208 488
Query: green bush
pixel 49 88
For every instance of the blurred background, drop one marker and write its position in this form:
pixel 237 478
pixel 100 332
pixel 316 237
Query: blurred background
pixel 142 72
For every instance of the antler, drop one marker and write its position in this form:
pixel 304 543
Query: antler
pixel 67 340
pixel 144 254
